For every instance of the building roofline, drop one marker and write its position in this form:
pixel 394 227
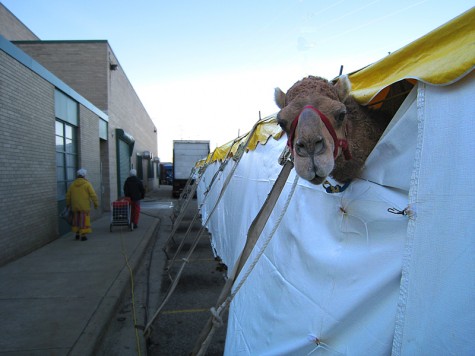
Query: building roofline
pixel 19 21
pixel 16 53
pixel 58 41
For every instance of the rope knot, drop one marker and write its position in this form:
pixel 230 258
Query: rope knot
pixel 217 320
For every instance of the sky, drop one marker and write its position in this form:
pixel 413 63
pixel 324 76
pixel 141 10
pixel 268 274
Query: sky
pixel 207 69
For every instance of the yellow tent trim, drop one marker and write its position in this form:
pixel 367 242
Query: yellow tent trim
pixel 441 57
pixel 265 129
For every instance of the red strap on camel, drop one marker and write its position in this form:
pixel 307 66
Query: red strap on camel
pixel 339 142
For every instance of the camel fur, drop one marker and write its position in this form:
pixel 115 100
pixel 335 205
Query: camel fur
pixel 313 144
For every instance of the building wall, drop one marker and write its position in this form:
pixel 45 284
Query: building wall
pixel 28 206
pixel 127 112
pixel 28 188
pixel 13 29
pixel 89 152
pixel 83 65
pixel 30 72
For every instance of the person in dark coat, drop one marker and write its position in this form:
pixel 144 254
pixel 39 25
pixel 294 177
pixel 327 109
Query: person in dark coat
pixel 134 189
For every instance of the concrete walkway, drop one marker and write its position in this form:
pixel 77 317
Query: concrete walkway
pixel 59 299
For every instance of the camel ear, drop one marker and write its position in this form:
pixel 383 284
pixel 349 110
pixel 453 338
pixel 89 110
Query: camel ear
pixel 279 97
pixel 343 87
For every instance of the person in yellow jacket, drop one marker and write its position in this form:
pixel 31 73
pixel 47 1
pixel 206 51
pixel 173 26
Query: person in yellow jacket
pixel 79 196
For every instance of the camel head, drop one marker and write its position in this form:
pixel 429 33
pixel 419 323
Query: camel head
pixel 314 116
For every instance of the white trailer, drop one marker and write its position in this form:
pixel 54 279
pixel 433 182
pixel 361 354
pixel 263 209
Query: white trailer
pixel 186 153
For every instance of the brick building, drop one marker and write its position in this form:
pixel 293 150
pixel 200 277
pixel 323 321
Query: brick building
pixel 63 105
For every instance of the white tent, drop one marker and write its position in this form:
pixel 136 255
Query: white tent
pixel 344 273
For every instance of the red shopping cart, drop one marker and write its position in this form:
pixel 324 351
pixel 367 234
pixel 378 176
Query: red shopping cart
pixel 121 214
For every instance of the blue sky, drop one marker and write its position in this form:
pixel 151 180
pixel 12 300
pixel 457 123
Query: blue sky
pixel 204 69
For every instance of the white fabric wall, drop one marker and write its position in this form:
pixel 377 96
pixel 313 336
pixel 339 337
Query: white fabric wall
pixel 333 269
pixel 436 313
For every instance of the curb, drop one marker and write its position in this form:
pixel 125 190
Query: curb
pixel 96 327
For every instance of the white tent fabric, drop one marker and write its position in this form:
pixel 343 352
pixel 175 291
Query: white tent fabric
pixel 436 308
pixel 396 149
pixel 332 271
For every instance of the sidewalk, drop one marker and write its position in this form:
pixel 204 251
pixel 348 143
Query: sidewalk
pixel 59 299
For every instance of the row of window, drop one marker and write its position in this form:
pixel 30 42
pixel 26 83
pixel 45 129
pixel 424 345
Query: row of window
pixel 66 142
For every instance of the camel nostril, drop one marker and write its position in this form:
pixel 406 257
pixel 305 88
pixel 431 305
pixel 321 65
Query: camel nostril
pixel 319 145
pixel 301 149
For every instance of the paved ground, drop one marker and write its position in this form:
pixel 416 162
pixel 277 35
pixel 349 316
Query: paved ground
pixel 175 330
pixel 185 314
pixel 59 299
pixel 70 297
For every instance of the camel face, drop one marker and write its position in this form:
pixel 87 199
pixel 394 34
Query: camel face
pixel 310 111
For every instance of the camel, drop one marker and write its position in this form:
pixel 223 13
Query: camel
pixel 329 133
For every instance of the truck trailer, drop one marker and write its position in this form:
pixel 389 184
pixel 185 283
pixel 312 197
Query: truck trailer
pixel 186 153
pixel 166 173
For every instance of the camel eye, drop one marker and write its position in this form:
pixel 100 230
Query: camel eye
pixel 280 122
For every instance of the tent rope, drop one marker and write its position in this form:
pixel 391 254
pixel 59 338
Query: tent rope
pixel 264 246
pixel 195 217
pixel 254 233
pixel 198 236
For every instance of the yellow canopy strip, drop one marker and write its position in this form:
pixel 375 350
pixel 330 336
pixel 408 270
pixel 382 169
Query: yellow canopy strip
pixel 267 128
pixel 441 57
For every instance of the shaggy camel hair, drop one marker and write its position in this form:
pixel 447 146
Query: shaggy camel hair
pixel 312 144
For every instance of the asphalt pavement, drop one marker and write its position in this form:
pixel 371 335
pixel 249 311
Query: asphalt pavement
pixel 183 317
pixel 74 297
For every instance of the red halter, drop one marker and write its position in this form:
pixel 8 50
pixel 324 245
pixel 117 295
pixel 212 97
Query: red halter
pixel 343 143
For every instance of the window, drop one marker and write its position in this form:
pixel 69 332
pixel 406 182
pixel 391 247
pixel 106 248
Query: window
pixel 67 119
pixel 65 108
pixel 103 129
pixel 66 157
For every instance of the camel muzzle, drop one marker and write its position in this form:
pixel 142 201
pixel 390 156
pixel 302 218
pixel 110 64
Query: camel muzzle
pixel 343 143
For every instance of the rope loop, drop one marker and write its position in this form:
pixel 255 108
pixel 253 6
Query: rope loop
pixel 217 320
